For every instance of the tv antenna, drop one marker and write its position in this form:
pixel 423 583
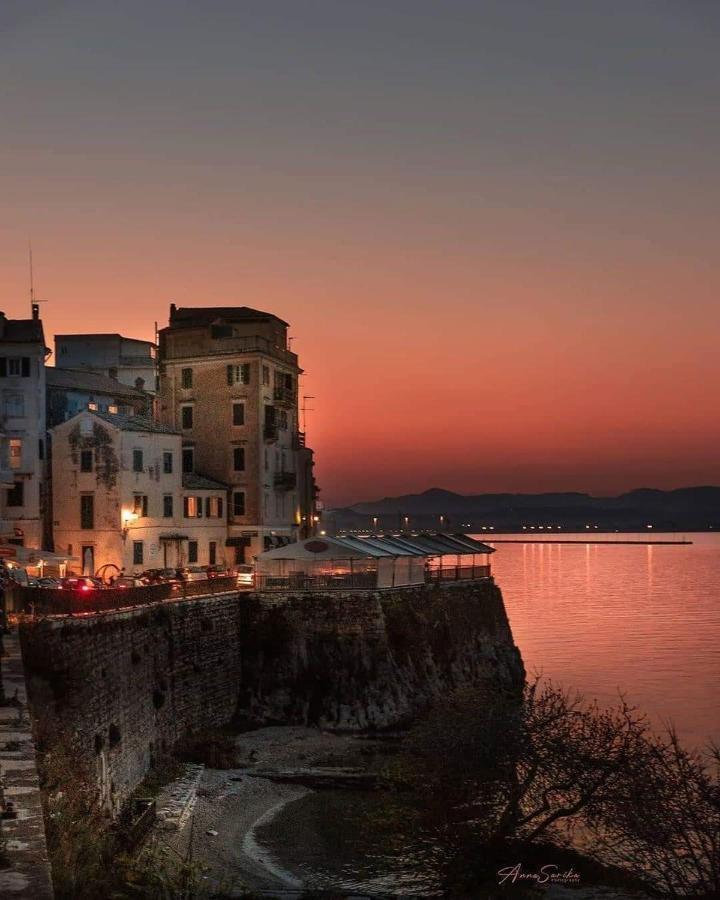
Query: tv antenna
pixel 34 308
pixel 305 409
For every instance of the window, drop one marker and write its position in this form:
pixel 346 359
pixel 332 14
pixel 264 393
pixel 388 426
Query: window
pixel 192 551
pixel 238 413
pixel 212 553
pixel 16 495
pixel 137 460
pixel 138 553
pixel 15 453
pixel 186 416
pixel 238 374
pixel 92 406
pixel 167 462
pixel 167 506
pixel 86 460
pixel 213 507
pixel 12 366
pixel 41 448
pixel 239 459
pixel 188 459
pixel 238 503
pixel 282 418
pixel 15 405
pixel 113 409
pixel 87 511
pixel 186 378
pixel 192 507
pixel 266 375
pixel 140 505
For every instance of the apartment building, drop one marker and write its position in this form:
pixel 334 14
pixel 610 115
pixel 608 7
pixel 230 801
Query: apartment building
pixel 128 360
pixel 22 427
pixel 229 384
pixel 121 500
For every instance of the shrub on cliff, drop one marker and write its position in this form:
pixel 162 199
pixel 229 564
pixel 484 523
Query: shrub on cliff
pixel 491 773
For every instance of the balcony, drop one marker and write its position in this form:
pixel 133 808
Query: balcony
pixel 270 431
pixel 298 440
pixel 285 396
pixel 285 481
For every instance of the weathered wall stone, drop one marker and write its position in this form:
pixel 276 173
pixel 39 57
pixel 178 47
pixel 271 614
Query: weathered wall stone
pixel 130 684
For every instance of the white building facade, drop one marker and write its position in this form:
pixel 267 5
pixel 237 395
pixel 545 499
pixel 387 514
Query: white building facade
pixel 119 500
pixel 23 433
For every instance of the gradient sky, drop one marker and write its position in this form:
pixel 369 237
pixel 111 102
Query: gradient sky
pixel 492 225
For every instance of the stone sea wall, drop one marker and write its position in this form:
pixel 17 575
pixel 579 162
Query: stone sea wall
pixel 129 685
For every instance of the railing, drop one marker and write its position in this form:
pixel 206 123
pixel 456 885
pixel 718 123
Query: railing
pixel 61 602
pixel 298 581
pixel 285 481
pixel 298 440
pixel 285 396
pixel 247 344
pixel 459 573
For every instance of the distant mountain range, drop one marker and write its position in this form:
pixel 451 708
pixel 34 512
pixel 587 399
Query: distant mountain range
pixel 685 509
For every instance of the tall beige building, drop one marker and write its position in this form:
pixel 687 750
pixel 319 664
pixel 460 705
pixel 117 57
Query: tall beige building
pixel 229 384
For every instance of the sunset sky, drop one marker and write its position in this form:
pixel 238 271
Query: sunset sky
pixel 494 226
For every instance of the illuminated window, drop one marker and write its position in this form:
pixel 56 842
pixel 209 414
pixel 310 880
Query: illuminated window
pixel 15 453
pixel 140 505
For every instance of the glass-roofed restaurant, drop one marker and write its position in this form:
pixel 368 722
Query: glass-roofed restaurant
pixel 372 562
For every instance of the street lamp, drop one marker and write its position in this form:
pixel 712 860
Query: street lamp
pixel 127 517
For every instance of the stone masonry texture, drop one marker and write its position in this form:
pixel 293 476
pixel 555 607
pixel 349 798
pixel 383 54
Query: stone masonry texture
pixel 129 685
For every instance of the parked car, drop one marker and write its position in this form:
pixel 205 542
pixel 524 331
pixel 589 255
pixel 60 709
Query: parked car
pixel 82 583
pixel 216 571
pixel 160 576
pixel 192 573
pixel 129 581
pixel 245 575
pixel 48 582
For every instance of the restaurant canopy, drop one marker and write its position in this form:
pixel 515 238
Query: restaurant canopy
pixel 372 561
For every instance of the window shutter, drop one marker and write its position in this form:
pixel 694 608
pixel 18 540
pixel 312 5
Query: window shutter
pixel 25 363
pixel 229 374
pixel 220 507
pixel 246 373
pixel 186 507
pixel 3 367
pixel 207 507
pixel 198 502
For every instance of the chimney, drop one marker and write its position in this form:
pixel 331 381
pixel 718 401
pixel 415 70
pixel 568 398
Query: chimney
pixel 35 311
pixel 173 310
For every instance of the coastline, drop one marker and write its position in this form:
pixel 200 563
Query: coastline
pixel 234 803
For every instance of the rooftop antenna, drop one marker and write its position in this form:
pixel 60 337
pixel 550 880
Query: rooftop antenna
pixel 34 307
pixel 305 409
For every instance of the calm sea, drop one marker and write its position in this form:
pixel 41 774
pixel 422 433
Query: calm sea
pixel 598 618
pixel 643 619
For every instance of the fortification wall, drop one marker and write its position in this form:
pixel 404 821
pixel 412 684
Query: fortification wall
pixel 128 685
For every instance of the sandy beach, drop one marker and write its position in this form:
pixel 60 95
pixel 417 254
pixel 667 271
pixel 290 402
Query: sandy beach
pixel 234 802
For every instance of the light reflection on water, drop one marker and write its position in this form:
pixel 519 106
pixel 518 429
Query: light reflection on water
pixel 641 619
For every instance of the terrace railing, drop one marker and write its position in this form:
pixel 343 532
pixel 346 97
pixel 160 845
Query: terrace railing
pixel 459 573
pixel 61 602
pixel 298 581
